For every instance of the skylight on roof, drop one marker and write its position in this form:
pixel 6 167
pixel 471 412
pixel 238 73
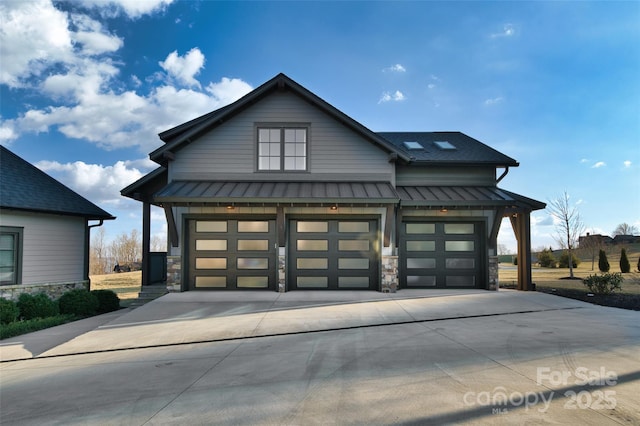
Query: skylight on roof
pixel 444 145
pixel 413 145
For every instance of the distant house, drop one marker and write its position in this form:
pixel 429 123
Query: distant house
pixel 44 231
pixel 626 239
pixel 281 191
pixel 594 240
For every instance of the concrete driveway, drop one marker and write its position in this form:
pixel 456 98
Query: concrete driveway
pixel 413 357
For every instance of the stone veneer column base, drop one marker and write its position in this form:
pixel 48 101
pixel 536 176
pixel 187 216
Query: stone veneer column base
pixel 389 274
pixel 281 274
pixel 174 274
pixel 53 290
pixel 493 273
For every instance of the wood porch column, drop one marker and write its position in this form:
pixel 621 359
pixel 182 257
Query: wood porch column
pixel 521 223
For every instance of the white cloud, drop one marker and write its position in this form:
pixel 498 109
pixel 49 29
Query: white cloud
pixel 98 183
pixel 598 165
pixel 431 86
pixel 396 96
pixel 395 68
pixel 227 90
pixel 7 132
pixel 184 68
pixel 584 160
pixel 132 8
pixel 508 30
pixel 627 164
pixel 493 101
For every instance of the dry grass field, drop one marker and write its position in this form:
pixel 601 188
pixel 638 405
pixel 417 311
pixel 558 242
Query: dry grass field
pixel 126 285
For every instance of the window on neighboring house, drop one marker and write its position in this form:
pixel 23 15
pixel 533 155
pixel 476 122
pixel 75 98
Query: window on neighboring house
pixel 10 255
pixel 282 148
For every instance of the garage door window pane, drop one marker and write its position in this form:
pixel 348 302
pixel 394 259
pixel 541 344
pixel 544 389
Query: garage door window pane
pixel 211 282
pixel 353 282
pixel 353 245
pixel 253 263
pixel 458 228
pixel 211 263
pixel 253 282
pixel 312 245
pixel 312 263
pixel 211 226
pixel 313 226
pixel 421 245
pixel 421 228
pixel 253 226
pixel 254 245
pixel 459 246
pixel 421 281
pixel 312 282
pixel 419 263
pixel 461 281
pixel 346 263
pixel 460 263
pixel 211 245
pixel 353 226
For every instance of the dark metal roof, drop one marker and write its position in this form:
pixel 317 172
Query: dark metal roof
pixel 461 196
pixel 278 192
pixel 468 151
pixel 144 188
pixel 25 187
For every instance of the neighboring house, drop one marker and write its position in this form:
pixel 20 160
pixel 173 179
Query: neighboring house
pixel 281 191
pixel 626 239
pixel 44 231
pixel 594 240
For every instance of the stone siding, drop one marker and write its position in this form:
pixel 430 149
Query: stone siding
pixel 389 274
pixel 174 273
pixel 493 273
pixel 53 290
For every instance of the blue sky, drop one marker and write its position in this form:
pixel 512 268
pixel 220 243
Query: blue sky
pixel 85 86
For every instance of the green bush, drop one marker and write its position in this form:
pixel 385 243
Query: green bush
pixel 603 263
pixel 563 262
pixel 21 327
pixel 36 306
pixel 625 266
pixel 108 301
pixel 604 284
pixel 8 311
pixel 546 259
pixel 78 302
pixel 639 264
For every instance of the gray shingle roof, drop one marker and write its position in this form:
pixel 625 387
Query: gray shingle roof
pixel 25 187
pixel 468 150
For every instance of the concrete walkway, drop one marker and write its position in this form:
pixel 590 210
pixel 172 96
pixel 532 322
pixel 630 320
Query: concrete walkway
pixel 413 357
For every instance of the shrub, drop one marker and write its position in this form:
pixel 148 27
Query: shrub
pixel 603 263
pixel 108 301
pixel 625 266
pixel 546 259
pixel 78 302
pixel 8 311
pixel 515 260
pixel 604 284
pixel 21 327
pixel 36 306
pixel 563 262
pixel 639 264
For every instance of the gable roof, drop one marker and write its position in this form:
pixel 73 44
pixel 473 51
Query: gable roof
pixel 179 136
pixel 468 151
pixel 25 187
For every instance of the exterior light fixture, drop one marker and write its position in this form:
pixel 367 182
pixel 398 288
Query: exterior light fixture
pixel 230 207
pixel 334 207
pixel 443 210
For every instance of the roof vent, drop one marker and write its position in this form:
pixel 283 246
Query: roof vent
pixel 413 145
pixel 444 145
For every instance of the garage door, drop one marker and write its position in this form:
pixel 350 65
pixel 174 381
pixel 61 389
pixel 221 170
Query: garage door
pixel 232 254
pixel 333 254
pixel 441 254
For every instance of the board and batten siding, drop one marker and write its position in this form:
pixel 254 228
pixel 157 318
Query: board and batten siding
pixel 445 176
pixel 229 151
pixel 52 246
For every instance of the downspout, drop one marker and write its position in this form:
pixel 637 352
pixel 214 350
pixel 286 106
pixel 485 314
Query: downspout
pixel 502 176
pixel 87 240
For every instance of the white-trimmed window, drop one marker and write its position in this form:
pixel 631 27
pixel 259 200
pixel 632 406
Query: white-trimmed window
pixel 10 255
pixel 282 149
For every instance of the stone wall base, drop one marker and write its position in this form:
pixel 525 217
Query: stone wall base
pixel 493 273
pixel 174 274
pixel 53 290
pixel 389 274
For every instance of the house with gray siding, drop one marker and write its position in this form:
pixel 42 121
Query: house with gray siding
pixel 280 191
pixel 44 231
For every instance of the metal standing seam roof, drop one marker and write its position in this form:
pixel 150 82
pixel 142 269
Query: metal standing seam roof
pixel 275 192
pixel 462 196
pixel 25 187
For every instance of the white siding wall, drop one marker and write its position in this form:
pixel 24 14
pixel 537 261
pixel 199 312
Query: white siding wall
pixel 229 150
pixel 53 246
pixel 426 175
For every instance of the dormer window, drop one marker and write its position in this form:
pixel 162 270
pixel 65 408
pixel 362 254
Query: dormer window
pixel 282 148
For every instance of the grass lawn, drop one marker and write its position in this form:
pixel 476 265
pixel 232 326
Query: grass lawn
pixel 126 285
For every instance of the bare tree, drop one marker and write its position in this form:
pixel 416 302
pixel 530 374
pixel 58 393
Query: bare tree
pixel 158 243
pixel 127 249
pixel 98 255
pixel 625 229
pixel 569 226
